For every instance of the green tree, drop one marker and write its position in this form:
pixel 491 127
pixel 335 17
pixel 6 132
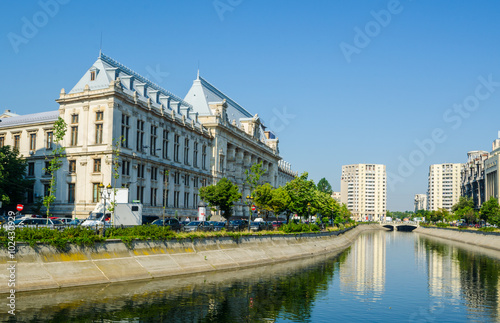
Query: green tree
pixel 280 200
pixel 301 192
pixel 324 186
pixel 463 202
pixel 253 176
pixel 262 196
pixel 13 182
pixel 490 211
pixel 55 163
pixel 221 195
pixel 325 205
pixel 344 215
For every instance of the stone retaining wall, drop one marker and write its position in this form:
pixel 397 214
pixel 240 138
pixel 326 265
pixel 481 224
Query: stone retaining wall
pixel 489 240
pixel 44 267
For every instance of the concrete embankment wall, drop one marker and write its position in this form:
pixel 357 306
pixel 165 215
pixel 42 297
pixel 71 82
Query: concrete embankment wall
pixel 44 267
pixel 489 240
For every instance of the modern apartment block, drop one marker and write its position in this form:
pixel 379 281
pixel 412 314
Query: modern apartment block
pixel 420 202
pixel 473 178
pixel 444 186
pixel 363 189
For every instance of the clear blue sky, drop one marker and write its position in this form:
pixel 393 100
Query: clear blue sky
pixel 287 56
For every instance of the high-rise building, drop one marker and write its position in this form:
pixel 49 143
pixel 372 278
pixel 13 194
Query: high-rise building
pixel 420 202
pixel 363 189
pixel 444 186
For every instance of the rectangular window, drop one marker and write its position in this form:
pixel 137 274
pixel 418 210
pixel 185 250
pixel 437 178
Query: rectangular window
pixel 46 189
pixel 152 141
pixel 153 196
pixel 154 173
pixel 140 193
pixel 177 177
pixel 98 133
pixel 176 148
pixel 125 130
pixel 204 157
pixel 32 141
pixel 221 163
pixel 165 198
pixel 74 118
pixel 195 155
pixel 165 144
pixel 74 136
pixel 186 151
pixel 72 166
pixel 17 141
pixel 92 75
pixel 46 168
pixel 126 168
pixel 71 193
pixel 96 193
pixel 99 116
pixel 140 171
pixel 31 169
pixel 186 180
pixel 195 182
pixel 186 200
pixel 176 199
pixel 195 201
pixel 140 135
pixel 2 141
pixel 49 140
pixel 97 165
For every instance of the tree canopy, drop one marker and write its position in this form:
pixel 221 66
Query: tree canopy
pixel 324 186
pixel 490 211
pixel 13 181
pixel 301 192
pixel 221 195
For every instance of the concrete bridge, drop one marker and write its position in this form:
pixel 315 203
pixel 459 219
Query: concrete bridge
pixel 400 226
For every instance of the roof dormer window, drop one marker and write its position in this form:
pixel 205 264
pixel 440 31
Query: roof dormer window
pixel 92 75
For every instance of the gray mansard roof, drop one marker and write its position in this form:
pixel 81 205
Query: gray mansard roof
pixel 107 69
pixel 41 117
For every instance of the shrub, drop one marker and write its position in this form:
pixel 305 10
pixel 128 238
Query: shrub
pixel 442 225
pixel 487 229
pixel 299 227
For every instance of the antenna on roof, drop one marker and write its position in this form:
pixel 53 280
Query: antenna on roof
pixel 198 75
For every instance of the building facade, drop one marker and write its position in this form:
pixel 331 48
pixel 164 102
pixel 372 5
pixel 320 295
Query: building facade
pixel 473 177
pixel 420 202
pixel 443 186
pixel 126 131
pixel 491 171
pixel 363 189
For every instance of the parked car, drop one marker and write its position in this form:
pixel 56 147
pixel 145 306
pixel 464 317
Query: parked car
pixel 65 220
pixel 237 225
pixel 34 222
pixel 218 226
pixel 197 226
pixel 75 222
pixel 258 226
pixel 173 223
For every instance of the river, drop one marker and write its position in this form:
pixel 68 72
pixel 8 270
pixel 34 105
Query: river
pixel 382 277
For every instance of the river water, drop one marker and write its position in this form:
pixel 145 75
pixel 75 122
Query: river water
pixel 382 277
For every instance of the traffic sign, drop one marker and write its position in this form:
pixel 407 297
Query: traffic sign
pixel 253 208
pixel 19 207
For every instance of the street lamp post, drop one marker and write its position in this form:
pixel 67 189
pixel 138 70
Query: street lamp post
pixel 105 193
pixel 249 201
pixel 309 212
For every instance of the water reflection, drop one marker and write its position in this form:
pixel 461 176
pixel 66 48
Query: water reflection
pixel 363 271
pixel 458 273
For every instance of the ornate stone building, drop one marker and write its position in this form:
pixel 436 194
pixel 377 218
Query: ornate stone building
pixel 473 178
pixel 170 148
